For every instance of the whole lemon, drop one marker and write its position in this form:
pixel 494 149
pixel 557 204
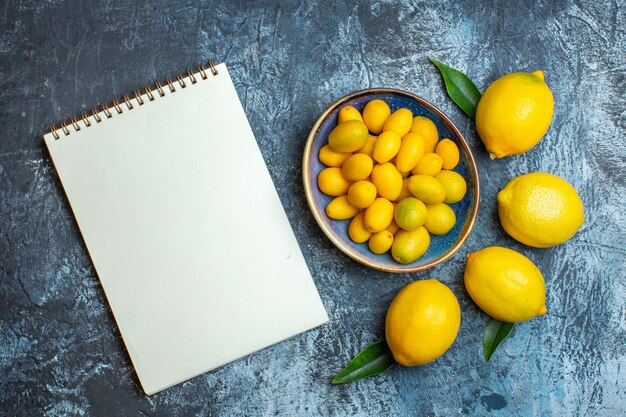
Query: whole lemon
pixel 440 219
pixel 375 114
pixel 340 208
pixel 454 184
pixel 449 153
pixel 357 167
pixel 429 164
pixel 410 213
pixel 357 231
pixel 380 242
pixel 331 182
pixel 411 151
pixel 331 158
pixel 427 188
pixel 425 127
pixel 362 194
pixel 422 322
pixel 378 215
pixel 400 121
pixel 514 113
pixel 410 245
pixel 386 146
pixel 388 180
pixel 348 136
pixel 348 113
pixel 505 284
pixel 540 210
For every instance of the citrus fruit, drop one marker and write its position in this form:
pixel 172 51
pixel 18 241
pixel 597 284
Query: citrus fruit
pixel 449 153
pixel 427 189
pixel 357 231
pixel 411 151
pixel 378 215
pixel 386 146
pixel 505 284
pixel 375 113
pixel 440 219
pixel 425 127
pixel 400 121
pixel 430 164
pixel 388 180
pixel 348 136
pixel 410 245
pixel 410 213
pixel 357 167
pixel 514 113
pixel 331 182
pixel 349 113
pixel 380 242
pixel 422 322
pixel 331 158
pixel 540 210
pixel 454 184
pixel 362 194
pixel 340 208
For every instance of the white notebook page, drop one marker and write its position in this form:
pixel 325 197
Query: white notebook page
pixel 186 231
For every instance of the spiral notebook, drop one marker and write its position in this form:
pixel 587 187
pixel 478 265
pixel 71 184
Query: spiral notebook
pixel 184 227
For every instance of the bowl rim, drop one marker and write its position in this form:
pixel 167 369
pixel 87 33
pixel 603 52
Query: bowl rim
pixel 328 232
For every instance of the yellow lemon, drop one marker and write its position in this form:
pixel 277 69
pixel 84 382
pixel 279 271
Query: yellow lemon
pixel 348 136
pixel 400 122
pixel 422 322
pixel 388 180
pixel 449 153
pixel 440 219
pixel 375 114
pixel 362 194
pixel 368 147
pixel 411 151
pixel 386 146
pixel 425 127
pixel 331 182
pixel 380 242
pixel 341 209
pixel 357 167
pixel 454 184
pixel 331 158
pixel 430 164
pixel 357 231
pixel 427 188
pixel 378 215
pixel 410 245
pixel 410 213
pixel 505 284
pixel 540 210
pixel 514 113
pixel 349 113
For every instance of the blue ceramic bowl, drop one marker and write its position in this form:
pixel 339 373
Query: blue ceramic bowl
pixel 441 247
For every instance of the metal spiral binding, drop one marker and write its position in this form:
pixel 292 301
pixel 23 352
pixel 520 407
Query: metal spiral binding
pixel 203 73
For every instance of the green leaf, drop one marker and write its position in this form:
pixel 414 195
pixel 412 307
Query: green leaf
pixel 495 332
pixel 373 360
pixel 460 88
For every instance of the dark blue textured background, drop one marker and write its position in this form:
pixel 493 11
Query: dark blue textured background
pixel 60 352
